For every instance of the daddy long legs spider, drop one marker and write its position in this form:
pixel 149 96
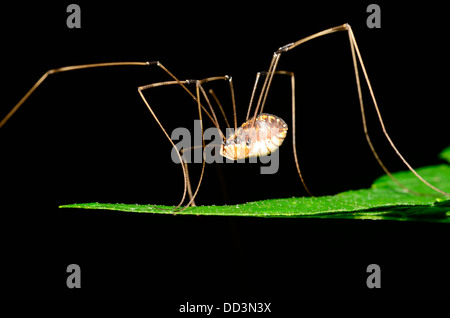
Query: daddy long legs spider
pixel 246 143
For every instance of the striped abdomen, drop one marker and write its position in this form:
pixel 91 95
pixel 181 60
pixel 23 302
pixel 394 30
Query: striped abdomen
pixel 260 139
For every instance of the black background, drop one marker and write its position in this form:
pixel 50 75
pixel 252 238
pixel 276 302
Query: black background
pixel 86 136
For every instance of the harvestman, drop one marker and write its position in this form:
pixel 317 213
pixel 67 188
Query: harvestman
pixel 246 141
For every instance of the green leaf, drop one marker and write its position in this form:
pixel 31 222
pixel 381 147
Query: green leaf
pixel 385 200
pixel 445 154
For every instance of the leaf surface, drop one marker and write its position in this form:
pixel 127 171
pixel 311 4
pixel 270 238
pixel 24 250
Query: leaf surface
pixel 385 200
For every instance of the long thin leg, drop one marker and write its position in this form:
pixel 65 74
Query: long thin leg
pixel 355 53
pixel 222 111
pixel 293 127
pixel 65 69
pixel 363 117
pixel 199 88
pixel 233 103
pixel 294 145
pixel 182 152
pixel 355 48
pixel 197 97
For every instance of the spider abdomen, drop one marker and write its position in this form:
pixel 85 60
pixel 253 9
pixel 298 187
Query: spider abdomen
pixel 255 139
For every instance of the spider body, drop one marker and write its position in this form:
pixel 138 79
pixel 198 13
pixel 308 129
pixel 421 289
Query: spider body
pixel 255 138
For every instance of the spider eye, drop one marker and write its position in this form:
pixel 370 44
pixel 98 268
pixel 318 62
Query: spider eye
pixel 248 142
pixel 237 140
